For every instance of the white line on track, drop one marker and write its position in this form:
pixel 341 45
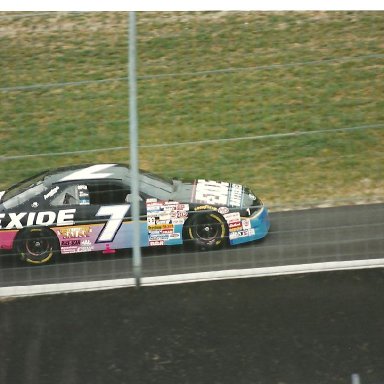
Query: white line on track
pixel 44 289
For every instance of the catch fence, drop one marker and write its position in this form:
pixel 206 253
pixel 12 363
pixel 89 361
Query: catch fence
pixel 287 103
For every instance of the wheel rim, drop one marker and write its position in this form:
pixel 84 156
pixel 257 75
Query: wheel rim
pixel 37 246
pixel 208 230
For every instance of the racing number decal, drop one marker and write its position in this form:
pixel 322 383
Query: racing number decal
pixel 116 215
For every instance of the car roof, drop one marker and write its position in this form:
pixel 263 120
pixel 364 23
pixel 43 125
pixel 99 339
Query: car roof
pixel 87 172
pixel 151 184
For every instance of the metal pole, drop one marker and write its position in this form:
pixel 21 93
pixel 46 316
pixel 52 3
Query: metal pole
pixel 134 163
pixel 355 378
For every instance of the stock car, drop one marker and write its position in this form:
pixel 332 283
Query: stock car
pixel 86 208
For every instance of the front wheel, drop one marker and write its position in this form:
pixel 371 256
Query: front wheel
pixel 207 230
pixel 37 245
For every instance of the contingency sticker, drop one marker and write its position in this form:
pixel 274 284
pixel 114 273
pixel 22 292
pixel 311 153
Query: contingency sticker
pixel 162 217
pixel 238 227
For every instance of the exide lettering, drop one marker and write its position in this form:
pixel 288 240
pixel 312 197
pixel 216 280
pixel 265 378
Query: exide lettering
pixel 15 220
pixel 46 218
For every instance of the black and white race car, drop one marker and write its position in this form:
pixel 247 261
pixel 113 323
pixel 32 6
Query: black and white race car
pixel 87 208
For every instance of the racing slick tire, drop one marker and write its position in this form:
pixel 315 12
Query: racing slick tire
pixel 37 245
pixel 206 231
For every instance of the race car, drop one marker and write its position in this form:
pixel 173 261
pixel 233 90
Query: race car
pixel 86 208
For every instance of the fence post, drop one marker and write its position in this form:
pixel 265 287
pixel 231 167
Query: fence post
pixel 355 378
pixel 134 163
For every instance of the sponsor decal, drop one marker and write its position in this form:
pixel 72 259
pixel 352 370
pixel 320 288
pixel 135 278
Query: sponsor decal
pixel 243 233
pixel 74 232
pixel 76 245
pixel 235 226
pixel 85 249
pixel 183 207
pixel 51 193
pixel 163 218
pixel 206 208
pixel 163 221
pixel 178 221
pixel 35 204
pixel 83 195
pixel 223 210
pixel 157 237
pixel 70 243
pixel 175 203
pixel 246 224
pixel 25 219
pixel 156 242
pixel 151 220
pixel 233 217
pixel 67 250
pixel 164 236
pixel 235 195
pixel 179 214
pixel 74 249
pixel 160 227
pixel 218 193
pixel 154 208
pixel 154 205
pixel 211 192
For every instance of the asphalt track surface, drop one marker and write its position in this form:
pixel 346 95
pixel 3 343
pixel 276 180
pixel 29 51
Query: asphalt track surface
pixel 316 328
pixel 296 237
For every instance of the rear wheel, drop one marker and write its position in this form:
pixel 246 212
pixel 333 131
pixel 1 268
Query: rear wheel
pixel 37 245
pixel 207 230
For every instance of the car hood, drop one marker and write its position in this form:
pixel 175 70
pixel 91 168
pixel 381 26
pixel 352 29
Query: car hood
pixel 216 193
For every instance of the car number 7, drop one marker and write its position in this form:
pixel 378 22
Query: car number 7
pixel 116 215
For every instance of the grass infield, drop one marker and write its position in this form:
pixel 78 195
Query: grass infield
pixel 251 77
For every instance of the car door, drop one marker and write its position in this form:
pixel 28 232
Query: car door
pixel 113 200
pixel 103 212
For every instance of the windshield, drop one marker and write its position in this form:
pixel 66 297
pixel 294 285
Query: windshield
pixel 23 186
pixel 24 195
pixel 23 191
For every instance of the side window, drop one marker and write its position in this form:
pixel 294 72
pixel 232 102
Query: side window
pixel 73 194
pixel 108 193
pixel 92 193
